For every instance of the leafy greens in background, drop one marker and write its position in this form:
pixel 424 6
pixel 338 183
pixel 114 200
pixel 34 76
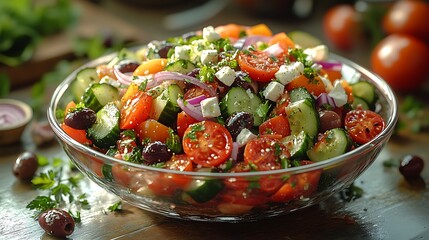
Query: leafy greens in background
pixel 24 22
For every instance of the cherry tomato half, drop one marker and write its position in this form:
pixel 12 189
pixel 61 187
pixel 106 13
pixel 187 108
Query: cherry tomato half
pixel 276 125
pixel 401 60
pixel 408 17
pixel 363 125
pixel 207 143
pixel 265 153
pixel 259 65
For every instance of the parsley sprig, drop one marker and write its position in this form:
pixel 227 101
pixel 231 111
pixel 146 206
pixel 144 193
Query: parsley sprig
pixel 60 189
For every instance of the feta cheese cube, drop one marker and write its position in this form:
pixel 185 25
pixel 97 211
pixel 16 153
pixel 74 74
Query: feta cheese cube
pixel 327 83
pixel 273 91
pixel 226 75
pixel 245 136
pixel 210 107
pixel 317 53
pixel 208 56
pixel 182 52
pixel 110 81
pixel 338 94
pixel 210 35
pixel 287 73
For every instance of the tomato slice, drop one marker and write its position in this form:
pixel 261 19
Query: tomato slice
pixel 265 153
pixel 363 125
pixel 183 122
pixel 281 104
pixel 259 65
pixel 207 143
pixel 153 130
pixel 276 125
pixel 136 110
pixel 166 184
pixel 298 185
pixel 76 134
pixel 315 86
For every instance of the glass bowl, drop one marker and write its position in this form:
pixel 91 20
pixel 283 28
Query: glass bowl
pixel 232 198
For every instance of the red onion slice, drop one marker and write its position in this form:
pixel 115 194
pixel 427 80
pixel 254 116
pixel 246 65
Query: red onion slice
pixel 169 76
pixel 123 78
pixel 336 66
pixel 274 50
pixel 191 110
pixel 196 100
pixel 324 99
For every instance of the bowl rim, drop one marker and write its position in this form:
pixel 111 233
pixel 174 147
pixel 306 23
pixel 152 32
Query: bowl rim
pixel 27 110
pixel 381 87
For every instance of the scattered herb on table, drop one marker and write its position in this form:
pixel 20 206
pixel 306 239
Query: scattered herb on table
pixel 351 193
pixel 116 207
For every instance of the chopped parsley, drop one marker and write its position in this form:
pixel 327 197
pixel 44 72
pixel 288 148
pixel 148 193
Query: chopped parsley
pixel 198 127
pixel 116 207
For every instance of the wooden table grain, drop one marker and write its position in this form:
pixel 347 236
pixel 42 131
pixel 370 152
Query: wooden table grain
pixel 389 209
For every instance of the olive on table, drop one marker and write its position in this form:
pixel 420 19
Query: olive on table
pixel 237 122
pixel 329 120
pixel 411 166
pixel 25 166
pixel 80 119
pixel 57 222
pixel 156 152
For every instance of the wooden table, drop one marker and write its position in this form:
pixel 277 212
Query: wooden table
pixel 388 209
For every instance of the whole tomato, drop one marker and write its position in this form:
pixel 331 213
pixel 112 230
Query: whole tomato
pixel 402 61
pixel 408 17
pixel 342 26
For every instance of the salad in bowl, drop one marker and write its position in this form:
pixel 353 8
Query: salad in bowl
pixel 229 123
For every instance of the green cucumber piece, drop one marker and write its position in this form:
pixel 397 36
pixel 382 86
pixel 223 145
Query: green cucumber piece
pixel 99 94
pixel 84 78
pixel 105 131
pixel 180 66
pixel 304 39
pixel 357 101
pixel 302 116
pixel 334 142
pixel 366 91
pixel 165 107
pixel 239 100
pixel 298 145
pixel 301 93
pixel 204 190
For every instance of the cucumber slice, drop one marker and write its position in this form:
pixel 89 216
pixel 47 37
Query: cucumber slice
pixel 105 131
pixel 366 91
pixel 180 66
pixel 165 107
pixel 334 142
pixel 99 94
pixel 303 39
pixel 204 190
pixel 301 93
pixel 357 101
pixel 298 145
pixel 239 100
pixel 303 116
pixel 84 78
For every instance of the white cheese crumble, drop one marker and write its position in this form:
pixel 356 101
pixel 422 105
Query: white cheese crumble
pixel 287 73
pixel 209 56
pixel 273 91
pixel 317 53
pixel 210 107
pixel 210 35
pixel 226 75
pixel 182 52
pixel 110 81
pixel 338 94
pixel 245 136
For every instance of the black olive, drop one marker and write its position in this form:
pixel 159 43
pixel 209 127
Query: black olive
pixel 57 222
pixel 25 166
pixel 80 119
pixel 411 166
pixel 156 152
pixel 237 122
pixel 127 66
pixel 329 120
pixel 164 49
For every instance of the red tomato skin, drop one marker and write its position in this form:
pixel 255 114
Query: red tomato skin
pixel 401 60
pixel 265 152
pixel 210 146
pixel 136 110
pixel 341 26
pixel 408 17
pixel 183 122
pixel 275 125
pixel 363 125
pixel 259 66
